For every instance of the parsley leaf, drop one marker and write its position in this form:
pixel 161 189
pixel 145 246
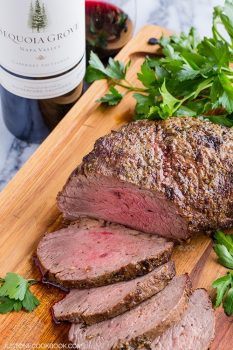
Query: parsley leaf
pixel 187 73
pixel 15 294
pixel 147 74
pixel 185 111
pixel 224 249
pixel 144 103
pixel 227 240
pixel 226 99
pixel 97 71
pixel 17 305
pixel 96 63
pixel 14 287
pixel 223 15
pixel 112 98
pixel 224 286
pixel 221 284
pixel 115 69
pixel 224 257
pixel 7 305
pixel 228 302
pixel 221 120
pixel 216 52
pixel 169 103
pixel 93 74
pixel 183 41
pixel 30 302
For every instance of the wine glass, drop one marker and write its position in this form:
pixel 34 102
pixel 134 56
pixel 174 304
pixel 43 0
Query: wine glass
pixel 109 25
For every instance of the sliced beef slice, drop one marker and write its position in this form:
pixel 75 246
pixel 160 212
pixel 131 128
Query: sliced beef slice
pixel 195 330
pixel 165 177
pixel 91 253
pixel 98 304
pixel 138 326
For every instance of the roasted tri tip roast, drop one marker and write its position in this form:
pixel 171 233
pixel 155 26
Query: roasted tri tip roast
pixel 138 191
pixel 172 178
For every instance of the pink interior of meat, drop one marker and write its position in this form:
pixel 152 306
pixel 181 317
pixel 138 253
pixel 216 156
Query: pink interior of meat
pixel 76 253
pixel 122 203
pixel 196 326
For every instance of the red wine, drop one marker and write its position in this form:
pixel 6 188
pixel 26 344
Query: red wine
pixel 108 28
pixel 42 63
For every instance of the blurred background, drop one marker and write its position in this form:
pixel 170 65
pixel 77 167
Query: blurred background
pixel 177 15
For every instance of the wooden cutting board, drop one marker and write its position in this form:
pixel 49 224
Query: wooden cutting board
pixel 28 209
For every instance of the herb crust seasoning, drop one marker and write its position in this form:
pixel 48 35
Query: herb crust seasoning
pixel 172 177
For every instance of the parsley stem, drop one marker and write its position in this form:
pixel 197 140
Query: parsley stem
pixel 217 34
pixel 129 87
pixel 31 282
pixel 128 82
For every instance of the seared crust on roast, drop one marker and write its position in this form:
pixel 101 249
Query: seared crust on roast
pixel 184 162
pixel 98 304
pixel 139 326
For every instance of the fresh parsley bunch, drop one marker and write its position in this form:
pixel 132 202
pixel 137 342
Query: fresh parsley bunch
pixel 193 78
pixel 15 294
pixel 224 285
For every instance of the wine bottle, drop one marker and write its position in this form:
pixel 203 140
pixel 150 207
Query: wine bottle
pixel 42 63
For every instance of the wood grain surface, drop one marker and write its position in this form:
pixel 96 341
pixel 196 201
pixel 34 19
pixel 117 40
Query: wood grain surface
pixel 28 209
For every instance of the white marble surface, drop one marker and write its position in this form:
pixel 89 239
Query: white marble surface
pixel 177 15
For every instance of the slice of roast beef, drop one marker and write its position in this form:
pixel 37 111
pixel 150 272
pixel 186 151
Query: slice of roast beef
pixel 138 326
pixel 170 177
pixel 195 330
pixel 98 304
pixel 92 253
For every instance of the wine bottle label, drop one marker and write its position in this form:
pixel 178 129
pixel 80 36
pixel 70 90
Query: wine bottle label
pixel 42 46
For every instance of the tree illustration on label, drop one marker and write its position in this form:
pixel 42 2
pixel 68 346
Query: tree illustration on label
pixel 37 16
